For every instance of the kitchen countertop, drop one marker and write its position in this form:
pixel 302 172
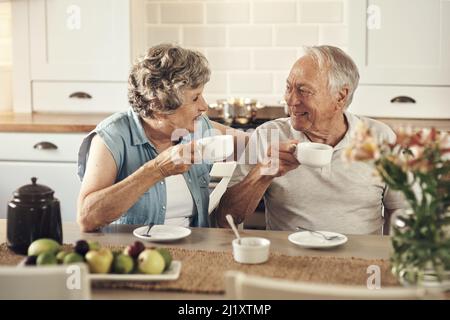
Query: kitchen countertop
pixel 72 123
pixel 49 122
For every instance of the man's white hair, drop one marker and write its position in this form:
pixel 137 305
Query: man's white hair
pixel 342 70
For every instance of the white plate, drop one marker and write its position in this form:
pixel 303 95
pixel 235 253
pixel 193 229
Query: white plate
pixel 162 233
pixel 311 240
pixel 170 274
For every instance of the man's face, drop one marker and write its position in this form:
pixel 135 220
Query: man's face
pixel 310 102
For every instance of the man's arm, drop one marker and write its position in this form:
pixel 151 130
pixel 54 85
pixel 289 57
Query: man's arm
pixel 393 202
pixel 242 199
pixel 387 219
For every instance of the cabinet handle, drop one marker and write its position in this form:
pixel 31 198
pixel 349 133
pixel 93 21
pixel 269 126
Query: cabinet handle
pixel 80 95
pixel 403 99
pixel 45 145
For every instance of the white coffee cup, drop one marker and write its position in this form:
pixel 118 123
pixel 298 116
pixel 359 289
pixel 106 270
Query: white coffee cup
pixel 251 250
pixel 313 154
pixel 216 148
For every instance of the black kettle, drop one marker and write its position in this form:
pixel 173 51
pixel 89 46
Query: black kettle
pixel 32 214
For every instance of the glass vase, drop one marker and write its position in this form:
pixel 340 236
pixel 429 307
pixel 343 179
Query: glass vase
pixel 419 256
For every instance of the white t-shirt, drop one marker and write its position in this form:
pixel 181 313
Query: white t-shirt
pixel 345 197
pixel 179 201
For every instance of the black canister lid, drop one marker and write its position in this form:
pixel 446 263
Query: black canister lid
pixel 33 192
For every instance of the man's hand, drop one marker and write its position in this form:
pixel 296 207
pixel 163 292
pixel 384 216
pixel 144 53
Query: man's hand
pixel 280 159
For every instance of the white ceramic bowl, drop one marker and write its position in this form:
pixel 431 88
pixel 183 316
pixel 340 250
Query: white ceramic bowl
pixel 313 154
pixel 251 250
pixel 216 148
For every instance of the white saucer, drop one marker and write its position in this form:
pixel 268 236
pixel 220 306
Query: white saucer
pixel 162 233
pixel 311 240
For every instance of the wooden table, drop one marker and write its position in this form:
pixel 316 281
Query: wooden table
pixel 368 247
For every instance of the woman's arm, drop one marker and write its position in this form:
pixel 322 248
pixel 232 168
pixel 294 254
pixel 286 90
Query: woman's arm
pixel 241 138
pixel 100 200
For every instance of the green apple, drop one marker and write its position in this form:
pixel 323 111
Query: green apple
pixel 43 245
pixel 99 261
pixel 167 257
pixel 73 257
pixel 46 258
pixel 122 264
pixel 150 261
pixel 60 256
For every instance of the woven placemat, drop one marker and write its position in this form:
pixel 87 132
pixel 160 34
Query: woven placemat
pixel 203 271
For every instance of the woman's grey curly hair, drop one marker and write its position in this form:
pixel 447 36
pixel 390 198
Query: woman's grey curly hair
pixel 157 80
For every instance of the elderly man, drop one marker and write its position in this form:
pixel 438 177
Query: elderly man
pixel 344 197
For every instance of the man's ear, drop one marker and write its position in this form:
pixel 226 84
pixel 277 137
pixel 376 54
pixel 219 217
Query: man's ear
pixel 342 97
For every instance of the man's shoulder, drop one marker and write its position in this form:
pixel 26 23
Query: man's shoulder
pixel 380 129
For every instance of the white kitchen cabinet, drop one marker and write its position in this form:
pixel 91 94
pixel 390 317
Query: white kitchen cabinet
pixel 380 101
pixel 61 177
pixel 68 53
pixel 79 97
pixel 402 49
pixel 79 39
pixel 401 42
pixel 52 158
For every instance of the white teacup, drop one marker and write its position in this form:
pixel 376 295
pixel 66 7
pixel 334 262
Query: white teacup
pixel 216 148
pixel 313 154
pixel 251 250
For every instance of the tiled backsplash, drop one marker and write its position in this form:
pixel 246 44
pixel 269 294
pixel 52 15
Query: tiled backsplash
pixel 5 56
pixel 250 44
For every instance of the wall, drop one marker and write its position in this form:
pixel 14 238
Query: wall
pixel 5 56
pixel 251 44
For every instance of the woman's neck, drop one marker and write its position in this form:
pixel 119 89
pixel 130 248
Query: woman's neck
pixel 157 133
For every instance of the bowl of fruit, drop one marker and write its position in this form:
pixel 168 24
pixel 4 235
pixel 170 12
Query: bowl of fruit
pixel 134 262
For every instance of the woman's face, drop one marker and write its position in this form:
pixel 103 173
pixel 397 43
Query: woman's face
pixel 194 105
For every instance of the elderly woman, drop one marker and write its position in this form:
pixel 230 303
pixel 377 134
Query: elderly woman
pixel 127 164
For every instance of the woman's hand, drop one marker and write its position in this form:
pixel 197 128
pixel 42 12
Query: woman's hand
pixel 176 159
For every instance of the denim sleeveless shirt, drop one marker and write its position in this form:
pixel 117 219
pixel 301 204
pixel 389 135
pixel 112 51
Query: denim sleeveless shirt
pixel 125 138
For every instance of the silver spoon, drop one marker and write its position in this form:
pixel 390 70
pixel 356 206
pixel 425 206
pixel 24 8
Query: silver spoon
pixel 150 226
pixel 319 233
pixel 233 226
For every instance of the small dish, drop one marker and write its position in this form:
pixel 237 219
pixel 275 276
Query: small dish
pixel 162 233
pixel 172 273
pixel 308 239
pixel 251 250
